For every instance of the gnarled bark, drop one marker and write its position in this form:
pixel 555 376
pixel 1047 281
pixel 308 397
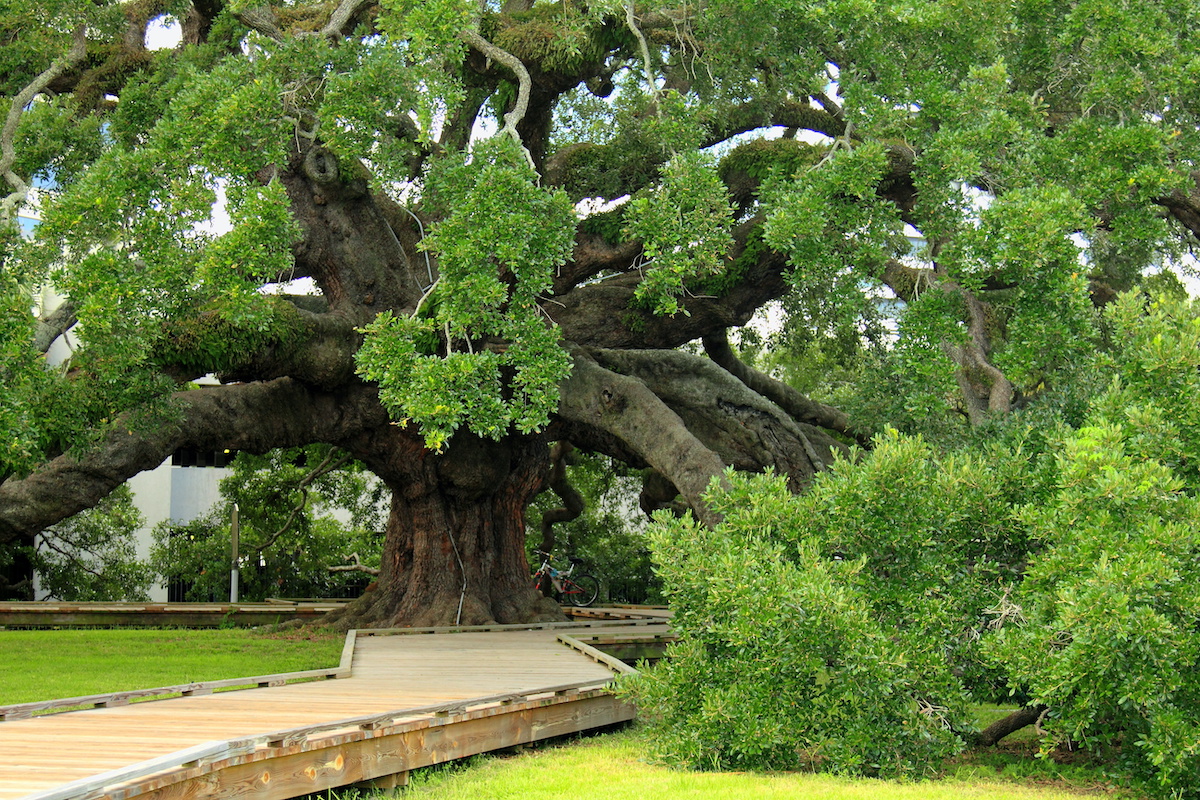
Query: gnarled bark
pixel 455 547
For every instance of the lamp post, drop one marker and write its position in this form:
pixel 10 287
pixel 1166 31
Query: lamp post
pixel 233 571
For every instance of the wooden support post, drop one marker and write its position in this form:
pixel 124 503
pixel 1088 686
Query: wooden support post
pixel 397 780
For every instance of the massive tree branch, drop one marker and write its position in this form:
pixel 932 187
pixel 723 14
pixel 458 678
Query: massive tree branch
pixel 253 417
pixel 745 429
pixel 592 256
pixel 606 313
pixel 321 356
pixel 53 325
pixel 793 402
pixel 626 409
pixel 765 113
pixel 348 246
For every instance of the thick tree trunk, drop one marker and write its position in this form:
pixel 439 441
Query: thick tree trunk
pixel 455 547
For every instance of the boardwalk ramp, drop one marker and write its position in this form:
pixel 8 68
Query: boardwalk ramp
pixel 403 699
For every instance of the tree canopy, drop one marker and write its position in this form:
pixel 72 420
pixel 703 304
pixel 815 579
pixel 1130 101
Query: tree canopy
pixel 514 215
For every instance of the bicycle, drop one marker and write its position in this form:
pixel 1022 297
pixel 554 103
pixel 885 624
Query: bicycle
pixel 581 590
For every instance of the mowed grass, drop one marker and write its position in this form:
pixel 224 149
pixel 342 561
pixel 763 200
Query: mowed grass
pixel 613 767
pixel 40 665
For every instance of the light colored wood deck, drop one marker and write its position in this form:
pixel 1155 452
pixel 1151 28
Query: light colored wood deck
pixel 389 673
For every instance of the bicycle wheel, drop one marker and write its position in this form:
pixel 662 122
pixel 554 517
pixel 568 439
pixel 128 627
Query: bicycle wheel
pixel 581 590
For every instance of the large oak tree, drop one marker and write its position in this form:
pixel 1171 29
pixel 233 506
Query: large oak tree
pixel 514 216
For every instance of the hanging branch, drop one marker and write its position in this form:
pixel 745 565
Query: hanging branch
pixel 524 85
pixel 8 153
pixel 572 501
pixel 324 468
pixel 631 23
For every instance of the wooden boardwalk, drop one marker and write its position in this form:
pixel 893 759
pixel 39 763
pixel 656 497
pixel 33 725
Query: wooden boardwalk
pixel 409 701
pixel 46 614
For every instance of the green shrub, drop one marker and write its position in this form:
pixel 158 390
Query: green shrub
pixel 783 662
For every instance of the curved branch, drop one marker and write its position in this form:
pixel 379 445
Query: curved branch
pixel 524 83
pixel 8 154
pixel 768 113
pixel 593 255
pixel 253 417
pixel 318 349
pixel 643 49
pixel 985 388
pixel 716 345
pixel 625 408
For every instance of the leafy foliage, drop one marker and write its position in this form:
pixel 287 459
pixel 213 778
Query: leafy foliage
pixel 300 512
pixel 497 249
pixel 1057 562
pixel 784 662
pixel 91 556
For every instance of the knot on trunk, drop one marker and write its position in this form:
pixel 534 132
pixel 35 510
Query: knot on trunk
pixel 321 166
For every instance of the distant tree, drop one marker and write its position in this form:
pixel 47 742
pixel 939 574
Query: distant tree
pixel 310 525
pixel 92 555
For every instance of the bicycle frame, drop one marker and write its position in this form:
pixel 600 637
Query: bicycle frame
pixel 547 570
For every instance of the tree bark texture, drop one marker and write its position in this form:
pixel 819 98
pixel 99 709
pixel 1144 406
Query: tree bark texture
pixel 455 547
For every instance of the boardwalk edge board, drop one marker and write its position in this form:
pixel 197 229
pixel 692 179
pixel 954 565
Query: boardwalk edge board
pixel 66 704
pixel 616 665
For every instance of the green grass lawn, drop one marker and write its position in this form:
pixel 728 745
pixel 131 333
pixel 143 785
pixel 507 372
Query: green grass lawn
pixel 613 767
pixel 49 664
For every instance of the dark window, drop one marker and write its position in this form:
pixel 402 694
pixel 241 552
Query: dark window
pixel 191 457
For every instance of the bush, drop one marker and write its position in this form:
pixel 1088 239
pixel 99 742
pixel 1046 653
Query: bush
pixel 783 662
